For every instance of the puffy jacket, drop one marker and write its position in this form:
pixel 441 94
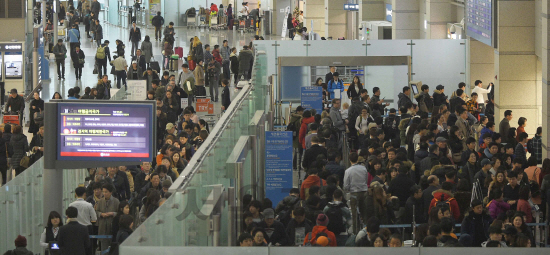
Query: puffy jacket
pixel 439 98
pixel 455 210
pixel 198 53
pixel 311 237
pixel 303 130
pixel 403 100
pixel 245 58
pixel 20 146
pixel 497 207
pixel 310 181
pixel 217 56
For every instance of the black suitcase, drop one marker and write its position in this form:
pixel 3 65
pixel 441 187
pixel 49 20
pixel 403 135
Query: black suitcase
pixel 155 66
pixel 200 91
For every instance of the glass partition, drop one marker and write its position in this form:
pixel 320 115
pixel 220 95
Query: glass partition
pixel 437 62
pixel 198 212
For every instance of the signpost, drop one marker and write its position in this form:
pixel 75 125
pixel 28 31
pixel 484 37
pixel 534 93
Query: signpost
pixel 312 98
pixel 278 164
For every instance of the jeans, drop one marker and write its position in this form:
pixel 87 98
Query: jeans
pixel 213 82
pixel 120 75
pixel 134 48
pixel 158 33
pixel 98 42
pixel 60 63
pixel 226 72
pixel 357 201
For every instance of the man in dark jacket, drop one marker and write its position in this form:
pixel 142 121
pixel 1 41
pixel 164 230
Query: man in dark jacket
pixel 432 159
pixel 401 185
pixel 15 103
pixel 276 232
pixel 404 97
pixel 245 57
pixel 298 227
pixel 135 38
pixel 456 101
pixel 60 52
pixel 439 96
pixel 73 238
pixel 96 8
pixel 415 204
pixel 169 33
pixel 158 22
pixel 476 224
pixel 427 194
pixel 310 155
pixel 226 96
pixel 98 32
pixel 504 126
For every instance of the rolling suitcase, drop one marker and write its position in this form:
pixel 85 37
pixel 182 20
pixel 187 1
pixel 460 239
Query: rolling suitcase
pixel 155 65
pixel 179 51
pixel 231 22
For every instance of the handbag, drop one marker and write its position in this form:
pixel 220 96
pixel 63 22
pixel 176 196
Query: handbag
pixel 38 117
pixel 81 61
pixel 25 161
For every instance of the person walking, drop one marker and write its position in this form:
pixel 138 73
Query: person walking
pixel 96 7
pixel 78 59
pixel 169 33
pixel 60 52
pixel 102 55
pixel 106 209
pixel 121 66
pixel 147 50
pixel 225 53
pixel 158 22
pixel 234 65
pixel 36 106
pixel 98 33
pixel 168 51
pixel 74 37
pixel 135 38
pixel 245 56
pixel 73 238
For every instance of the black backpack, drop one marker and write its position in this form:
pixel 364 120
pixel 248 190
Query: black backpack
pixel 336 222
pixel 285 215
pixel 530 146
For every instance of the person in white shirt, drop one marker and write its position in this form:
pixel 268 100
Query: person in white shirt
pixel 362 122
pixel 86 212
pixel 52 228
pixel 481 93
pixel 245 11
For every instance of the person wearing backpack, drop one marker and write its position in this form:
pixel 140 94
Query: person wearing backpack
pixel 101 56
pixel 20 247
pixel 340 216
pixel 285 206
pixel 444 196
pixel 321 227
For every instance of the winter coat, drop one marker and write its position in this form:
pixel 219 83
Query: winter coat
pixel 147 50
pixel 199 75
pixel 309 182
pixel 198 53
pixel 234 63
pixel 137 76
pixel 455 210
pixel 59 51
pixel 278 235
pixel 403 100
pixel 303 130
pixel 497 207
pixel 439 98
pixel 75 58
pixel 245 58
pixel 168 49
pixel 477 228
pixel 217 56
pixel 20 147
pixel 316 230
pixel 352 91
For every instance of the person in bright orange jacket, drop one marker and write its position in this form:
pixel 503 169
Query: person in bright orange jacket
pixel 306 120
pixel 312 180
pixel 321 227
pixel 445 194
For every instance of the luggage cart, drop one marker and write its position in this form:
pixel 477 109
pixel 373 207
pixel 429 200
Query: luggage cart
pixel 201 21
pixel 191 14
pixel 242 24
pixel 214 22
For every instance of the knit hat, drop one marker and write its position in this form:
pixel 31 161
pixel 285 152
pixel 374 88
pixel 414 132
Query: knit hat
pixel 166 184
pixel 20 241
pixel 322 220
pixel 322 241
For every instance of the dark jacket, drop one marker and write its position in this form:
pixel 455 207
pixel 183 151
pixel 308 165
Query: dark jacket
pixel 352 91
pixel 37 141
pixel 245 57
pixel 75 58
pixel 477 226
pixel 135 34
pixel 427 196
pixel 198 53
pixel 454 102
pixel 122 186
pixel 418 204
pixel 74 239
pixel 226 98
pixel 403 100
pixel 310 155
pixel 20 146
pixel 59 51
pixel 504 126
pixel 16 104
pixel 19 251
pixel 429 162
pixel 468 172
pixel 95 7
pixel 138 75
pixel 157 21
pixel 278 233
pixel 98 32
pixel 141 62
pixel 463 198
pixel 234 64
pixel 293 225
pixel 400 187
pixel 439 98
pixel 122 234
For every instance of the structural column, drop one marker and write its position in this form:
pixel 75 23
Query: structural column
pixel 545 78
pixel 516 63
pixel 482 63
pixel 405 19
pixel 438 14
pixel 335 19
pixel 314 10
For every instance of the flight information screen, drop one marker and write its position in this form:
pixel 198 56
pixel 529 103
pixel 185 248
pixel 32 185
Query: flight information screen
pixel 108 132
pixel 479 20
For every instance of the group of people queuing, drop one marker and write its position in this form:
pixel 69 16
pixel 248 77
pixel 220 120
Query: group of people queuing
pixel 441 164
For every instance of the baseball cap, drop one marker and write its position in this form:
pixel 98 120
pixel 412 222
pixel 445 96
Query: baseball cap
pixel 485 162
pixel 169 126
pixel 440 140
pixel 269 213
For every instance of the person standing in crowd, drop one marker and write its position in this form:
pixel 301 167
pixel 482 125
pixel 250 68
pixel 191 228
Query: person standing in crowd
pixel 106 209
pixel 121 66
pixel 226 96
pixel 355 183
pixel 96 7
pixel 60 52
pixel 36 107
pixel 140 59
pixel 199 79
pixel 78 58
pixel 74 238
pixel 225 53
pixel 51 230
pixel 234 65
pixel 481 94
pixel 20 145
pixel 86 212
pixel 169 33
pixel 213 71
pixel 135 72
pixel 186 81
pixel 354 88
pixel 504 126
pixel 168 51
pixel 158 22
pixel 20 247
pixel 335 84
pixel 135 38
pixel 245 56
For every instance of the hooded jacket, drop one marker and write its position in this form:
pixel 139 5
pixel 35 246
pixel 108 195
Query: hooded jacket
pixel 313 235
pixel 447 195
pixel 303 130
pixel 403 100
pixel 312 180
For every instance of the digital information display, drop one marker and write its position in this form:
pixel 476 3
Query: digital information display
pixel 479 20
pixel 112 132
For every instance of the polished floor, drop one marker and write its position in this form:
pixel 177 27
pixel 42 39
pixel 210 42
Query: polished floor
pixel 112 33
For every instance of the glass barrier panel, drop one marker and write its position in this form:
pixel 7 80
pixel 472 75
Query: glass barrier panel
pixel 388 48
pixel 337 48
pixel 390 80
pixel 427 58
